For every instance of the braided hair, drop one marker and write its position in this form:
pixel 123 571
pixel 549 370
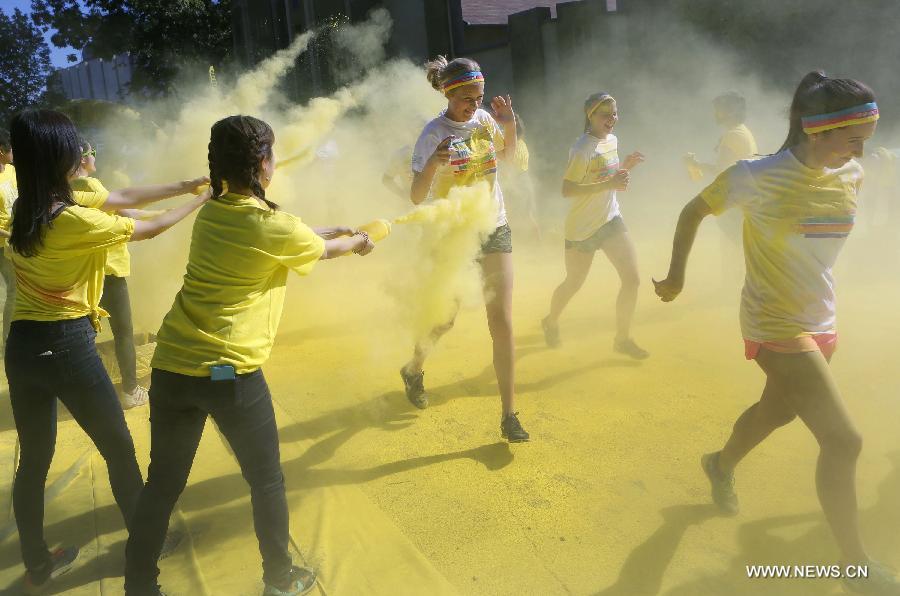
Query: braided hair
pixel 237 146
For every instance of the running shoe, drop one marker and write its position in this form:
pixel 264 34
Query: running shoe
pixel 511 429
pixel 631 349
pixel 881 580
pixel 722 485
pixel 551 333
pixel 414 383
pixel 136 398
pixel 61 561
pixel 302 581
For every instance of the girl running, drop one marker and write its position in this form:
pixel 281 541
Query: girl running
pixel 461 147
pixel 799 207
pixel 90 192
pixel 592 178
pixel 212 344
pixel 59 252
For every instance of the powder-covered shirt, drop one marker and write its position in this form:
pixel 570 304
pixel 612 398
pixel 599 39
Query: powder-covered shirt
pixel 591 160
pixel 796 221
pixel 64 280
pixel 473 155
pixel 735 144
pixel 229 307
pixel 9 192
pixel 90 192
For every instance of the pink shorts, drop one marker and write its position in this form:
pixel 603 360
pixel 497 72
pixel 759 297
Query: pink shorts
pixel 820 342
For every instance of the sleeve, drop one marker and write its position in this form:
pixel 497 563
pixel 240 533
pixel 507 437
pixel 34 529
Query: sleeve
pixel 301 249
pixel 425 146
pixel 101 230
pixel 89 192
pixel 577 168
pixel 731 188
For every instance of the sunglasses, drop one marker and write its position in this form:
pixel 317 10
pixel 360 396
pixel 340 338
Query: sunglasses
pixel 91 153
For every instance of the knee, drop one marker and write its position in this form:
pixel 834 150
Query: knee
pixel 631 279
pixel 847 443
pixel 265 480
pixel 573 283
pixel 442 329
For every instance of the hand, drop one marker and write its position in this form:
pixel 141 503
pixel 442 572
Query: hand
pixel 619 180
pixel 502 108
pixel 633 160
pixel 441 155
pixel 367 245
pixel 339 231
pixel 205 194
pixel 196 185
pixel 668 289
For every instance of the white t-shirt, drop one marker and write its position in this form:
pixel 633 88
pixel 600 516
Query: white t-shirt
pixel 591 160
pixel 473 155
pixel 796 221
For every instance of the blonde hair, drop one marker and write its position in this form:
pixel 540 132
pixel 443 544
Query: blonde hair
pixel 439 70
pixel 592 103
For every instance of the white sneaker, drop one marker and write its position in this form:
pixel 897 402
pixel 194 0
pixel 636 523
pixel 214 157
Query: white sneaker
pixel 135 399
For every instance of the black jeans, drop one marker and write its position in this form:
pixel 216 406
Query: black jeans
pixel 116 302
pixel 46 360
pixel 242 408
pixel 9 278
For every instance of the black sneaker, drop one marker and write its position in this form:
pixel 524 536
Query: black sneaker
pixel 414 383
pixel 61 561
pixel 722 485
pixel 631 349
pixel 303 579
pixel 551 333
pixel 511 429
pixel 880 580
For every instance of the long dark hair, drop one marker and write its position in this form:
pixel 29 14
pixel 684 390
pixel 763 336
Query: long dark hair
pixel 818 94
pixel 237 145
pixel 45 143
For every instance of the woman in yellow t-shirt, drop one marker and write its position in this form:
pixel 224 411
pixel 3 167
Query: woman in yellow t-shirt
pixel 59 252
pixel 90 192
pixel 461 147
pixel 213 342
pixel 593 177
pixel 8 194
pixel 799 207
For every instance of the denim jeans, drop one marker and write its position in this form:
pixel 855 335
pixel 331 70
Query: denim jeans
pixel 179 406
pixel 116 302
pixel 46 360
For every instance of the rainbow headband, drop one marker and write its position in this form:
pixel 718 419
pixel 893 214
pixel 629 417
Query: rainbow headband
pixel 867 112
pixel 466 78
pixel 600 101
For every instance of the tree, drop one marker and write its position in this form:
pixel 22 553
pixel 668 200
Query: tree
pixel 24 64
pixel 162 36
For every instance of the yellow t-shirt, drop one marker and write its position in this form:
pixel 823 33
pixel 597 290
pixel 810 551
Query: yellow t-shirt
pixel 591 160
pixel 796 221
pixel 228 310
pixel 90 192
pixel 736 144
pixel 9 192
pixel 64 280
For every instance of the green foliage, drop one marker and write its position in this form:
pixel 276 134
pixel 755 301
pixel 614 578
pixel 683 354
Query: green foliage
pixel 164 37
pixel 24 64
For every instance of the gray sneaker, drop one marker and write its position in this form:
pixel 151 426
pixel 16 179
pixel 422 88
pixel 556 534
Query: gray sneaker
pixel 551 333
pixel 303 579
pixel 722 485
pixel 414 384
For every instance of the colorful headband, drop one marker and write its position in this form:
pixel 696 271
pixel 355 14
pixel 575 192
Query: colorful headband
pixel 867 112
pixel 600 101
pixel 466 78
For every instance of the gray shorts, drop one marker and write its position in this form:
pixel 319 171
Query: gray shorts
pixel 595 242
pixel 500 240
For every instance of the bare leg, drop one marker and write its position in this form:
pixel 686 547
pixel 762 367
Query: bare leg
pixel 578 265
pixel 424 347
pixel 621 253
pixel 497 269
